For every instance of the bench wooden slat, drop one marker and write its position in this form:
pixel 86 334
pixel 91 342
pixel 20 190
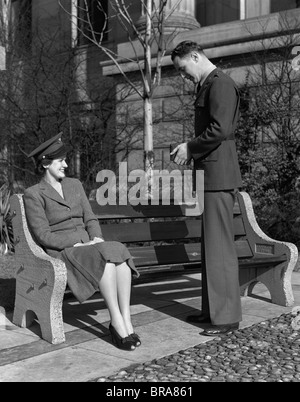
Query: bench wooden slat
pixel 139 211
pixel 177 253
pixel 239 227
pixel 243 248
pixel 156 231
pixel 168 254
pixel 261 262
pixel 143 211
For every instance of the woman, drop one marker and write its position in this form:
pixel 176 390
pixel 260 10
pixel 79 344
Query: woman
pixel 61 220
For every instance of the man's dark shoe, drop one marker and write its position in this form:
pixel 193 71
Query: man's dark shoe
pixel 198 319
pixel 216 330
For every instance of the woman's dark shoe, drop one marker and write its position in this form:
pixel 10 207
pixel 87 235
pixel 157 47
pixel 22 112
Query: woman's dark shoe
pixel 122 343
pixel 136 339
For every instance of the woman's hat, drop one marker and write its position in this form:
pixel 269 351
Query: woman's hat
pixel 50 149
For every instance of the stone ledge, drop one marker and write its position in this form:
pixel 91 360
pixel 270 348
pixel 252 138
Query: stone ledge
pixel 232 38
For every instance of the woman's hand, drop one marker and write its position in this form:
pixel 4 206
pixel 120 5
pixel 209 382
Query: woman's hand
pixel 88 243
pixel 97 240
pixel 82 244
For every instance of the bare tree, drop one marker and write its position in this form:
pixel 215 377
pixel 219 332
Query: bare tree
pixel 152 41
pixel 42 93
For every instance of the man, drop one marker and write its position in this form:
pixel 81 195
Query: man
pixel 213 150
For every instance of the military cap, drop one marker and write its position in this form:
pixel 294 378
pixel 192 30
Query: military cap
pixel 50 149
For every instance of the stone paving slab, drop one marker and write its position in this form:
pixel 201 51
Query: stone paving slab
pixel 159 310
pixel 12 339
pixel 73 364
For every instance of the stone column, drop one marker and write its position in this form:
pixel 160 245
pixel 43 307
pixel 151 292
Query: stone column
pixel 181 19
pixel 256 8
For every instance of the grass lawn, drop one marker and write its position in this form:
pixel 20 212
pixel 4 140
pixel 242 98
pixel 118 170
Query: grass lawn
pixel 7 282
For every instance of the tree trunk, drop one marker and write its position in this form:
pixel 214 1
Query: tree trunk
pixel 148 140
pixel 148 120
pixel 77 164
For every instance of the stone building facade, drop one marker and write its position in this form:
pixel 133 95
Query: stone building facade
pixel 230 31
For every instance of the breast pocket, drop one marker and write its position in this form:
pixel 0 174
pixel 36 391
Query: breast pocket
pixel 200 102
pixel 201 114
pixel 200 118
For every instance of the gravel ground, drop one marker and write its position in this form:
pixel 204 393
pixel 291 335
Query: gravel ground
pixel 264 352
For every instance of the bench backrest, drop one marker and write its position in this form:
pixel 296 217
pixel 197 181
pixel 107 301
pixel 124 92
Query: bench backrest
pixel 22 235
pixel 160 235
pixel 167 233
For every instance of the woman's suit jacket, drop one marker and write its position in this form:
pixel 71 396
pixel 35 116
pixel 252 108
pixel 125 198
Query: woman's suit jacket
pixel 213 148
pixel 57 223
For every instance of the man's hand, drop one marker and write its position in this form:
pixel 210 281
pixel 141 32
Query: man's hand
pixel 182 154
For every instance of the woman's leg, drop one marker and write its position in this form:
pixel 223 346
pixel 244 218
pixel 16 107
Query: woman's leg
pixel 109 290
pixel 124 292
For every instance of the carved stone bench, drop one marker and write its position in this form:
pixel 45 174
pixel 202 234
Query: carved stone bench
pixel 160 238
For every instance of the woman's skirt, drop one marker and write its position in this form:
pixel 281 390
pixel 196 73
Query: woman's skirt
pixel 86 264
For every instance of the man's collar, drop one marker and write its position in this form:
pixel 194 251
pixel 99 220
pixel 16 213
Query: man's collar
pixel 208 78
pixel 210 72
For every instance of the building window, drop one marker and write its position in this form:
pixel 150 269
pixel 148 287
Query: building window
pixel 279 5
pixel 23 23
pixel 92 20
pixel 211 12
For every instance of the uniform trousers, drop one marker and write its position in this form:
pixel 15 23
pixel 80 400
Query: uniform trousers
pixel 220 272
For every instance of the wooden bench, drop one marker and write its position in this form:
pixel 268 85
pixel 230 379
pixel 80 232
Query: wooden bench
pixel 161 239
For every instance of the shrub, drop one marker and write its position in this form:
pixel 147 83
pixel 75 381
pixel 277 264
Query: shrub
pixel 6 231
